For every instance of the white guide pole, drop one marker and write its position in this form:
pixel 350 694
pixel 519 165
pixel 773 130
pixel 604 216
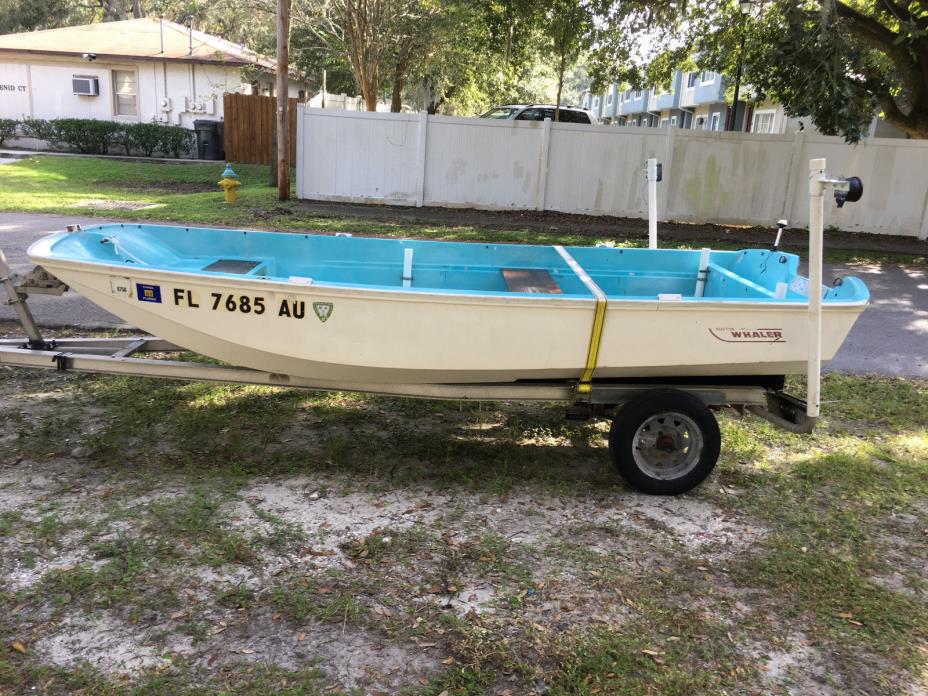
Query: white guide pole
pixel 816 230
pixel 407 267
pixel 702 273
pixel 652 203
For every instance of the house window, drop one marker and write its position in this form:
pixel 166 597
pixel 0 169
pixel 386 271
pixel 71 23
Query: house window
pixel 125 93
pixel 708 78
pixel 665 123
pixel 637 94
pixel 763 121
pixel 716 119
pixel 596 103
pixel 609 98
pixel 700 123
pixel 691 80
pixel 673 120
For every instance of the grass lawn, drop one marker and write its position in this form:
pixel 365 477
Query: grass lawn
pixel 169 538
pixel 187 193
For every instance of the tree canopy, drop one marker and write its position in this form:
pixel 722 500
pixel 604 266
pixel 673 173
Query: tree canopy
pixel 454 56
pixel 838 63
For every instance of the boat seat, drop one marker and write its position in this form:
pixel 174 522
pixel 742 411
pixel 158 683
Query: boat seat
pixel 232 266
pixel 723 283
pixel 533 280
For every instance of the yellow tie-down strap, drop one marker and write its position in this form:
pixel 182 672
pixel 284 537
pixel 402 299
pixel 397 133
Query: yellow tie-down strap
pixel 599 319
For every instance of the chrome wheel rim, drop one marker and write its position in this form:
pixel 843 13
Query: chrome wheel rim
pixel 667 445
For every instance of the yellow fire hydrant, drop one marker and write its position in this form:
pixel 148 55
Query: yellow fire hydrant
pixel 230 183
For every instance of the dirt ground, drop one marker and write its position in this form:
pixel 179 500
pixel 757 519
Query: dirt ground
pixel 168 538
pixel 612 227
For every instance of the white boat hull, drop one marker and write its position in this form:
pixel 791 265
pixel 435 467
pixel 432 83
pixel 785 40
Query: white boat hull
pixel 363 335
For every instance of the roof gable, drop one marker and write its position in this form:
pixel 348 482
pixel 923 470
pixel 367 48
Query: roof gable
pixel 143 39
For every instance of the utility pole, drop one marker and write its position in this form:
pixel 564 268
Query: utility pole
pixel 283 100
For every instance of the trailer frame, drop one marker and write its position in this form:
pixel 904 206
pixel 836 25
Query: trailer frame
pixel 655 421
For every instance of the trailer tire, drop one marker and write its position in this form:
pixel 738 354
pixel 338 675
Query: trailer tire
pixel 665 442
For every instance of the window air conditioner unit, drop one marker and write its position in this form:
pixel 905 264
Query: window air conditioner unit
pixel 85 86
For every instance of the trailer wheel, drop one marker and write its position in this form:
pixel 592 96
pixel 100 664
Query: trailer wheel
pixel 665 442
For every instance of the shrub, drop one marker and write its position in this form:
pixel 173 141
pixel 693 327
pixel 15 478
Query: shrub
pixel 175 140
pixel 7 128
pixel 87 135
pixel 40 129
pixel 94 137
pixel 146 137
pixel 122 137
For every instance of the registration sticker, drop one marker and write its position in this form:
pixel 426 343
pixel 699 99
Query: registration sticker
pixel 148 293
pixel 121 286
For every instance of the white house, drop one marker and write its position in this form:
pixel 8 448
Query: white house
pixel 135 70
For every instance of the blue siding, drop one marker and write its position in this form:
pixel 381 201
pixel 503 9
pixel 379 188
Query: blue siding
pixel 672 99
pixel 633 105
pixel 709 94
pixel 610 110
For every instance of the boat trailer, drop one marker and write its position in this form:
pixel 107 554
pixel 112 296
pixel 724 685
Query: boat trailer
pixel 664 437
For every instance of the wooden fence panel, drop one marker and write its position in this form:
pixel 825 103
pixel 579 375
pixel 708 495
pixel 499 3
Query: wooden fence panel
pixel 250 127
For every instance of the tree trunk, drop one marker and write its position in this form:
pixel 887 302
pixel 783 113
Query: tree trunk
pixel 399 81
pixel 396 104
pixel 370 97
pixel 434 106
pixel 113 11
pixel 914 123
pixel 560 86
pixel 137 12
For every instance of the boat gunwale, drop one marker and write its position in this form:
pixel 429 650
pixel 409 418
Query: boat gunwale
pixel 379 294
pixel 40 252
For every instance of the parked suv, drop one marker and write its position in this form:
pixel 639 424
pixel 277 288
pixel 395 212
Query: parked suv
pixel 538 112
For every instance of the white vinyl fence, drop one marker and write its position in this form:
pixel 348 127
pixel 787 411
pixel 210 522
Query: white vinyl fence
pixel 737 178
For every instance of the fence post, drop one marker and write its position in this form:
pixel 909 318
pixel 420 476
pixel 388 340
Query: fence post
pixel 923 234
pixel 543 164
pixel 668 172
pixel 300 162
pixel 420 158
pixel 795 163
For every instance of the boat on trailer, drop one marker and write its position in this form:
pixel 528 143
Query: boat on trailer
pixel 358 309
pixel 664 333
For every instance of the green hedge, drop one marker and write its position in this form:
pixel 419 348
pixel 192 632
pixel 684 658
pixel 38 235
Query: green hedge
pixel 94 137
pixel 7 128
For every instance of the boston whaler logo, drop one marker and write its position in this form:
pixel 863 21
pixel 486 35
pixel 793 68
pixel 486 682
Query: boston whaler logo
pixel 323 310
pixel 730 335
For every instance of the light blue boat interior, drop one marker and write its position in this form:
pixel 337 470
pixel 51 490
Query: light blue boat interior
pixel 444 267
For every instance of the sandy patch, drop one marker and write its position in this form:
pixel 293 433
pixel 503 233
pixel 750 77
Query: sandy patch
pixel 105 642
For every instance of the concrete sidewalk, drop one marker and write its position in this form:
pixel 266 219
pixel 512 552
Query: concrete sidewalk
pixel 891 338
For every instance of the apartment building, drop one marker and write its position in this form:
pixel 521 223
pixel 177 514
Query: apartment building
pixel 696 100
